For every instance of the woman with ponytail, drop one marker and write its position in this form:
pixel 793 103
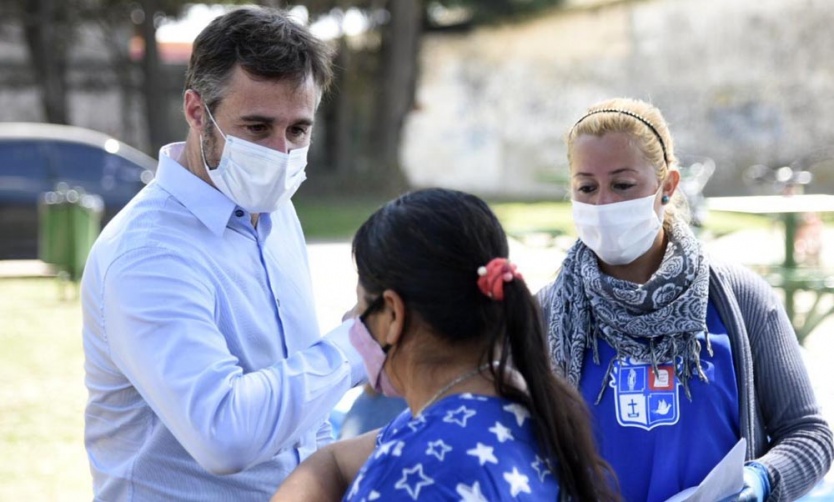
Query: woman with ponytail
pixel 449 324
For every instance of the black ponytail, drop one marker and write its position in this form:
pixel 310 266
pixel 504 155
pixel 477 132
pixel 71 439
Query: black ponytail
pixel 428 246
pixel 561 415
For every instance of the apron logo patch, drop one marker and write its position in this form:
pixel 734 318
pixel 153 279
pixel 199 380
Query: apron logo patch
pixel 642 398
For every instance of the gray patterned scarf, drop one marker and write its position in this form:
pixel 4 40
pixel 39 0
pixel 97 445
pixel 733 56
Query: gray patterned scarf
pixel 655 322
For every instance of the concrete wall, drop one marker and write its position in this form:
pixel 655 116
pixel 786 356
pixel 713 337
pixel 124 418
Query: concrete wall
pixel 742 82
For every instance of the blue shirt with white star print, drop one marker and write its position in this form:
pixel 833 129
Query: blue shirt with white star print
pixel 464 448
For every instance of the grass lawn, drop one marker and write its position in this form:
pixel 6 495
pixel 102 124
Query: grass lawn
pixel 42 394
pixel 331 220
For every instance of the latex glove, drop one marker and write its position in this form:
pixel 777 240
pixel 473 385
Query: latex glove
pixel 756 485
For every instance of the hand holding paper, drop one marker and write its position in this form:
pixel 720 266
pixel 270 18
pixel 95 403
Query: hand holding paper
pixel 725 480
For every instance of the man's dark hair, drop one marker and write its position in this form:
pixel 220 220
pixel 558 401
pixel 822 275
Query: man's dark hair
pixel 265 42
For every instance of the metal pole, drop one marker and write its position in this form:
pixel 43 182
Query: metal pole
pixel 788 273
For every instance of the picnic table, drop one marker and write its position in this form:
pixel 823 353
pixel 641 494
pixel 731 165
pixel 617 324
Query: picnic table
pixel 791 276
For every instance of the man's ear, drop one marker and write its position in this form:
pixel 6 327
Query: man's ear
pixel 195 112
pixel 393 317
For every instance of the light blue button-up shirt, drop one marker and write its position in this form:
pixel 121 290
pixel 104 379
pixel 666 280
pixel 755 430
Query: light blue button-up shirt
pixel 208 378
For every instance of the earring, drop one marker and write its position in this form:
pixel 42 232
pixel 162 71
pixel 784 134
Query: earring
pixel 664 200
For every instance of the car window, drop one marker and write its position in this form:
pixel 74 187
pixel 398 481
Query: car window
pixel 22 158
pixel 78 163
pixel 93 168
pixel 23 170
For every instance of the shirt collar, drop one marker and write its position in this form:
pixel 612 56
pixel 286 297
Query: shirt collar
pixel 204 201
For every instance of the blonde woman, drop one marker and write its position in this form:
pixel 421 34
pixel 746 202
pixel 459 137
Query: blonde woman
pixel 678 354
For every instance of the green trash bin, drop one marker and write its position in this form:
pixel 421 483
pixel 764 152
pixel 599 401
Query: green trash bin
pixel 86 225
pixel 69 222
pixel 53 229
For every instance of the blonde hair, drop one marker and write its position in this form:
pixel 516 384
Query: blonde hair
pixel 648 130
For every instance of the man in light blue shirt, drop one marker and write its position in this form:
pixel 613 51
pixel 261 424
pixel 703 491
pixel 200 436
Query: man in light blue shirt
pixel 207 375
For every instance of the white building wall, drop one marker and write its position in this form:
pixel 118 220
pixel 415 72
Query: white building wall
pixel 743 82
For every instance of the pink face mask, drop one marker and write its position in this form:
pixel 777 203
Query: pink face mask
pixel 373 355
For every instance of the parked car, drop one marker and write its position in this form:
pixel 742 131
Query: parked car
pixel 35 157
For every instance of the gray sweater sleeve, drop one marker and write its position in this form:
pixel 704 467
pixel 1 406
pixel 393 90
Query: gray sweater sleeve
pixel 797 451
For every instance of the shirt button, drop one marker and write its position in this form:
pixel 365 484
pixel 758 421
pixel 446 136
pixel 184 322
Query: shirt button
pixel 278 302
pixel 239 213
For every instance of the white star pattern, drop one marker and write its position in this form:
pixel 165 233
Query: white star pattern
pixel 484 454
pixel 475 438
pixel 518 482
pixel 459 416
pixel 394 448
pixel 469 395
pixel 470 493
pixel 384 449
pixel 420 478
pixel 501 433
pixel 521 413
pixel 541 468
pixel 438 449
pixel 354 489
pixel 417 422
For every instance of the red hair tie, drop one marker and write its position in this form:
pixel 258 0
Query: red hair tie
pixel 491 278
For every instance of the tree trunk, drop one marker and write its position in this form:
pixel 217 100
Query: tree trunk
pixel 337 115
pixel 114 29
pixel 153 87
pixel 398 78
pixel 47 30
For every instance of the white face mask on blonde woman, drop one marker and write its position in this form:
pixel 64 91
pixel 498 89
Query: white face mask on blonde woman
pixel 620 232
pixel 615 190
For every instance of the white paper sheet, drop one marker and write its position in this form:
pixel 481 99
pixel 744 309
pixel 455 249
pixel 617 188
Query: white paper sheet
pixel 724 480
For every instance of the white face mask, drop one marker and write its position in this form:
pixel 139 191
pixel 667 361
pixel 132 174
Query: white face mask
pixel 256 178
pixel 620 232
